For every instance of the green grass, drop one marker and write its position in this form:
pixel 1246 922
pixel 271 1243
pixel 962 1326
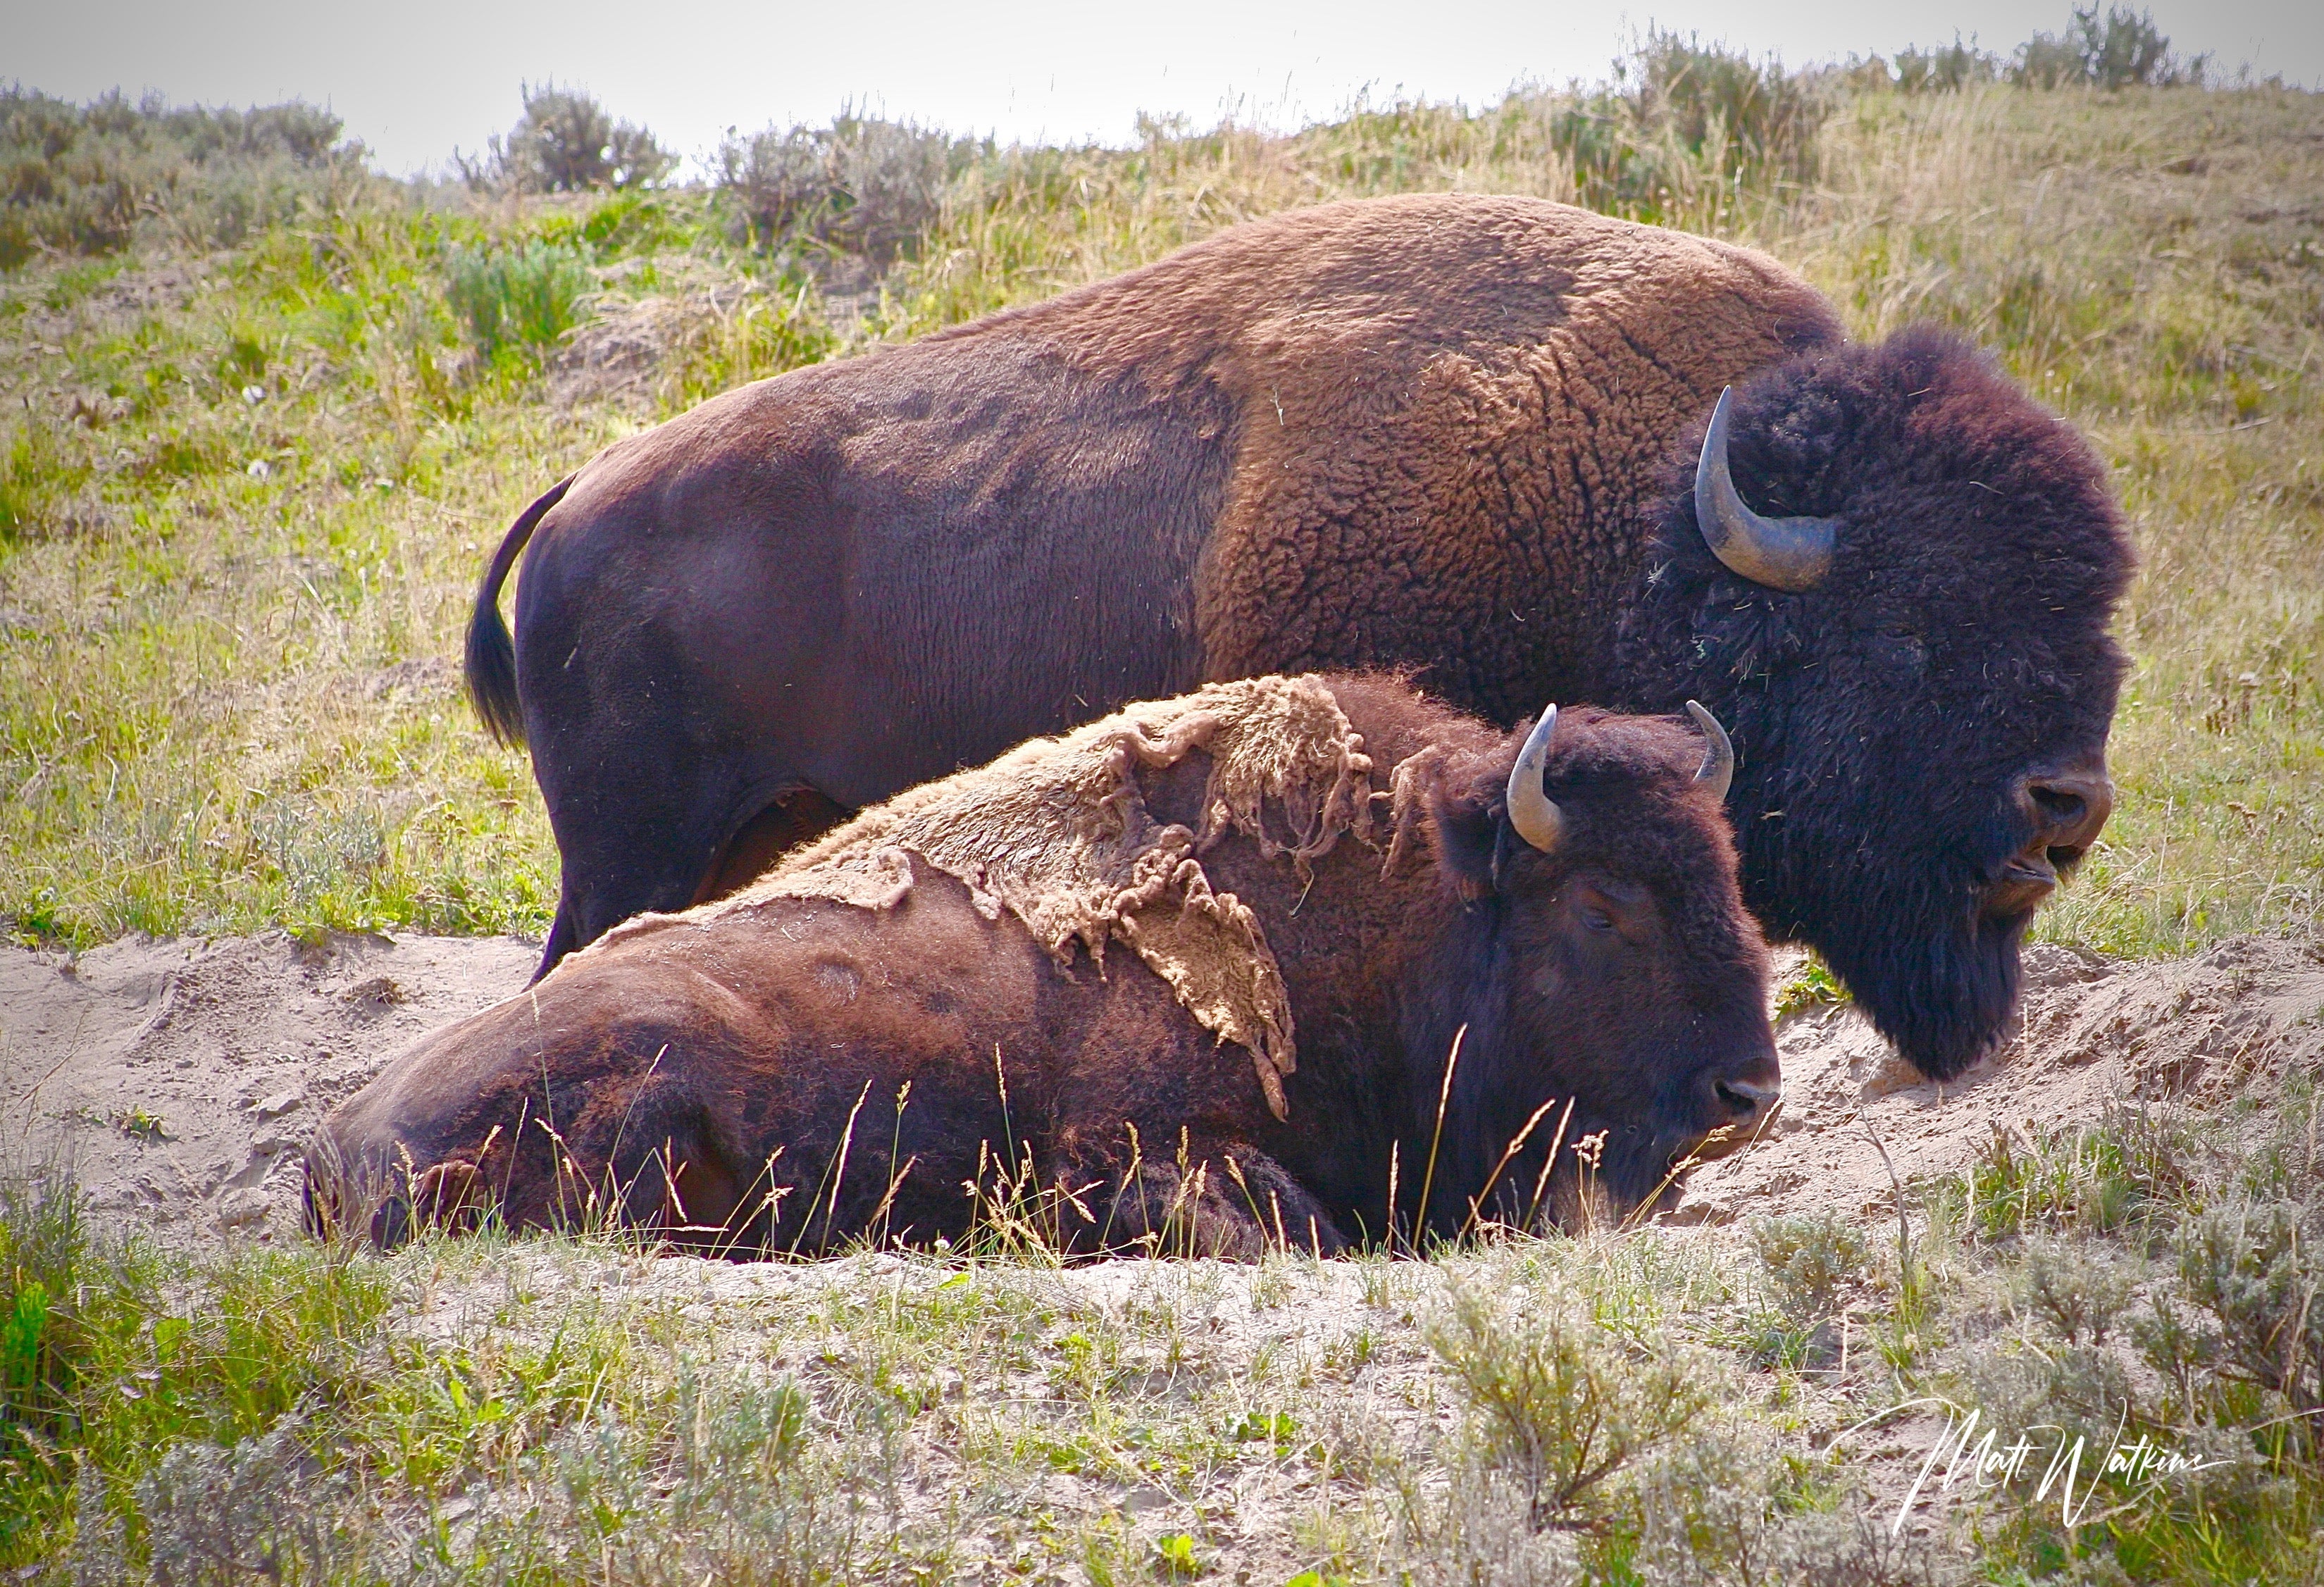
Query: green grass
pixel 244 495
pixel 518 298
pixel 1749 1405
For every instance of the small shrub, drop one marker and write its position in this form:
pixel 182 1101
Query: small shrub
pixel 1559 1408
pixel 1686 121
pixel 2077 1292
pixel 743 1484
pixel 2113 51
pixel 517 298
pixel 216 1517
pixel 1706 1504
pixel 862 185
pixel 2255 1271
pixel 88 178
pixel 1808 1258
pixel 2080 1391
pixel 567 142
pixel 1485 1531
pixel 1848 1546
pixel 1946 70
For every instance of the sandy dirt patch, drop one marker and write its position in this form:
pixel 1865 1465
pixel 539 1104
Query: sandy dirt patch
pixel 2191 1032
pixel 181 1079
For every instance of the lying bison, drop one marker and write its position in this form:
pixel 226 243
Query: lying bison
pixel 1458 434
pixel 1346 882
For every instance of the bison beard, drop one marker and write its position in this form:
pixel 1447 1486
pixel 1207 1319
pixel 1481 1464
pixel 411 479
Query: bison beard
pixel 906 1009
pixel 1452 435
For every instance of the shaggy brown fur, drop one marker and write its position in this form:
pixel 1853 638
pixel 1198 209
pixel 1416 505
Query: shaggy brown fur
pixel 841 1049
pixel 1402 430
pixel 1564 350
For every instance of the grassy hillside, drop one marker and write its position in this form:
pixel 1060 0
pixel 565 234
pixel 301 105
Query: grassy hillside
pixel 250 466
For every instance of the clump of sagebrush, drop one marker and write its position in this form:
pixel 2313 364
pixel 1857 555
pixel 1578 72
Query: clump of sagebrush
pixel 88 178
pixel 566 141
pixel 861 185
pixel 736 1481
pixel 1945 69
pixel 1614 1429
pixel 2115 49
pixel 1558 1407
pixel 1811 1259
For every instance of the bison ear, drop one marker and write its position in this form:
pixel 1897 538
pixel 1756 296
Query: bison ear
pixel 1471 838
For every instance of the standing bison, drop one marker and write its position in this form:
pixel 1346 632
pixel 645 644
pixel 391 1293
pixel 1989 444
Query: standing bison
pixel 1462 436
pixel 1327 889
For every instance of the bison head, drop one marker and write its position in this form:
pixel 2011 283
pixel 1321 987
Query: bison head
pixel 1602 956
pixel 1891 573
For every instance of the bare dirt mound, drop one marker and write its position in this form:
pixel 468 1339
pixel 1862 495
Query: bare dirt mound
pixel 180 1079
pixel 2191 1032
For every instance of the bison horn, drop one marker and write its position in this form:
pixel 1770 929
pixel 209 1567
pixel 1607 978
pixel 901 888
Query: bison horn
pixel 1718 768
pixel 1792 553
pixel 1532 812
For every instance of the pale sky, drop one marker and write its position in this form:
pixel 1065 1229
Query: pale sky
pixel 416 78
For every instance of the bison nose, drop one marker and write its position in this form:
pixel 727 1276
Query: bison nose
pixel 1747 1102
pixel 1742 1102
pixel 2067 807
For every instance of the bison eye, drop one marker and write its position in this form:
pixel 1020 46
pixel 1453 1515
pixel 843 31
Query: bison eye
pixel 1596 919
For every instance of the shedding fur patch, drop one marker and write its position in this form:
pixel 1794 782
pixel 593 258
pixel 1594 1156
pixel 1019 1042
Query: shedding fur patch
pixel 1057 833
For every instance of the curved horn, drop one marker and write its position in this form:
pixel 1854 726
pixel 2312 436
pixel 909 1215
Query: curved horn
pixel 1792 553
pixel 1718 768
pixel 1532 812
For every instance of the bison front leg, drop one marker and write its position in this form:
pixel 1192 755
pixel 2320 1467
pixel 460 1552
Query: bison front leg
pixel 1194 1196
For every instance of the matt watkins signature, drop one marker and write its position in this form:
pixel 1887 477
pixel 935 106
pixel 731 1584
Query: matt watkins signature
pixel 1974 1456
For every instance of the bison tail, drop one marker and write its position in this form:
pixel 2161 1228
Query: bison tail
pixel 492 654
